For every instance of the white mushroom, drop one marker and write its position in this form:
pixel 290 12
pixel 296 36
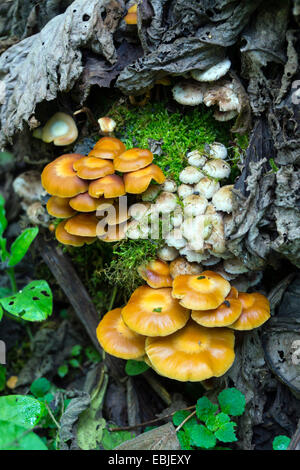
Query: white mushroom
pixel 151 193
pixel 216 241
pixel 217 168
pixel 139 210
pixel 217 150
pixel 207 187
pixel 170 186
pixel 107 124
pixel 234 266
pixel 195 158
pixel 167 253
pixel 175 238
pixel 177 217
pixel 181 266
pixel 213 73
pixel 222 199
pixel 136 230
pixel 37 214
pixel 192 256
pixel 190 175
pixel 188 93
pixel 28 187
pixel 224 96
pixel 166 202
pixel 194 205
pixel 211 261
pixel 184 190
pixel 224 116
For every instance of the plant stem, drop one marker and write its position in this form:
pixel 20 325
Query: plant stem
pixel 185 420
pixel 12 277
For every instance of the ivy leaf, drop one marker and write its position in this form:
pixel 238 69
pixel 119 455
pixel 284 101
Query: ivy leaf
pixel 205 408
pixel 40 387
pixel 135 367
pixel 184 440
pixel 14 437
pixel 21 245
pixel 214 422
pixel 232 401
pixel 281 443
pixel 33 303
pixel 226 432
pixel 21 410
pixel 202 437
pixel 180 416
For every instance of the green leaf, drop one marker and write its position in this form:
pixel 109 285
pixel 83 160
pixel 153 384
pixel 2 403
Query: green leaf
pixel 33 303
pixel 3 251
pixel 63 370
pixel 232 401
pixel 21 245
pixel 205 408
pixel 21 410
pixel 110 440
pixel 40 387
pixel 135 367
pixel 214 422
pixel 281 443
pixel 3 220
pixel 226 432
pixel 2 378
pixel 74 363
pixel 92 354
pixel 202 437
pixel 14 437
pixel 180 416
pixel 76 350
pixel 184 440
pixel 1 313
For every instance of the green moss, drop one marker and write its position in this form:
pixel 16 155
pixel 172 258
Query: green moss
pixel 128 255
pixel 176 132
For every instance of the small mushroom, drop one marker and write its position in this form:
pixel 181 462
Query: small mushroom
pixel 91 168
pixel 190 175
pixel 223 95
pixel 110 186
pixel 195 158
pixel 222 199
pixel 66 238
pixel 61 129
pixel 140 210
pixel 213 73
pixel 107 148
pixel 224 116
pixel 165 203
pixel 107 124
pixel 255 311
pixel 151 193
pixel 175 238
pixel 170 186
pixel 59 207
pixel 117 339
pixel 217 168
pixel 204 292
pixel 82 225
pixel 207 187
pixel 137 230
pixel 167 253
pixel 137 182
pixel 156 273
pixel 28 187
pixel 133 160
pixel 60 179
pixel 217 150
pixel 188 93
pixel 181 266
pixel 234 266
pixel 131 17
pixel 154 312
pixel 85 203
pixel 194 205
pixel 185 190
pixel 224 315
pixel 37 214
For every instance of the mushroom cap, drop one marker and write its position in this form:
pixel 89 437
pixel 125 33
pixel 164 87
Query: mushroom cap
pixel 224 116
pixel 67 239
pixel 224 315
pixel 85 203
pixel 110 186
pixel 61 129
pixel 91 168
pixel 131 17
pixel 188 93
pixel 194 205
pixel 181 266
pixel 213 73
pixel 151 193
pixel 154 312
pixel 234 266
pixel 166 202
pixel 217 168
pixel 200 292
pixel 59 207
pixel 222 199
pixel 83 225
pixel 217 150
pixel 185 190
pixel 207 187
pixel 167 253
pixel 117 339
pixel 190 175
pixel 194 353
pixel 255 311
pixel 138 181
pixel 170 186
pixel 156 273
pixel 195 158
pixel 107 148
pixel 60 179
pixel 107 124
pixel 133 159
pixel 117 214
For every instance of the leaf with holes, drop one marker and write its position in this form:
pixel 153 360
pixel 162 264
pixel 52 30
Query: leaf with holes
pixel 33 303
pixel 21 245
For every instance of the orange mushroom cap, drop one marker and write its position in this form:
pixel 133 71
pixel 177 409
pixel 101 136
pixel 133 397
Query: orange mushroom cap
pixel 194 353
pixel 138 181
pixel 133 160
pixel 203 291
pixel 131 17
pixel 90 168
pixel 154 312
pixel 67 239
pixel 117 339
pixel 83 225
pixel 60 179
pixel 107 148
pixel 61 129
pixel 117 215
pixel 85 203
pixel 156 273
pixel 224 315
pixel 59 207
pixel 110 186
pixel 255 311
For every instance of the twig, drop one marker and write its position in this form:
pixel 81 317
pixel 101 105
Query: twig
pixel 52 416
pixel 151 421
pixel 185 420
pixel 113 297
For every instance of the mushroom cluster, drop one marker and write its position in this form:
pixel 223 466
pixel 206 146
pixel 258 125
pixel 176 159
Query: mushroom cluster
pixel 84 189
pixel 182 327
pixel 61 129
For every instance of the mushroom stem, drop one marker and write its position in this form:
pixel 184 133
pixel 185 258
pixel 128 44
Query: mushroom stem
pixel 158 388
pixel 89 115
